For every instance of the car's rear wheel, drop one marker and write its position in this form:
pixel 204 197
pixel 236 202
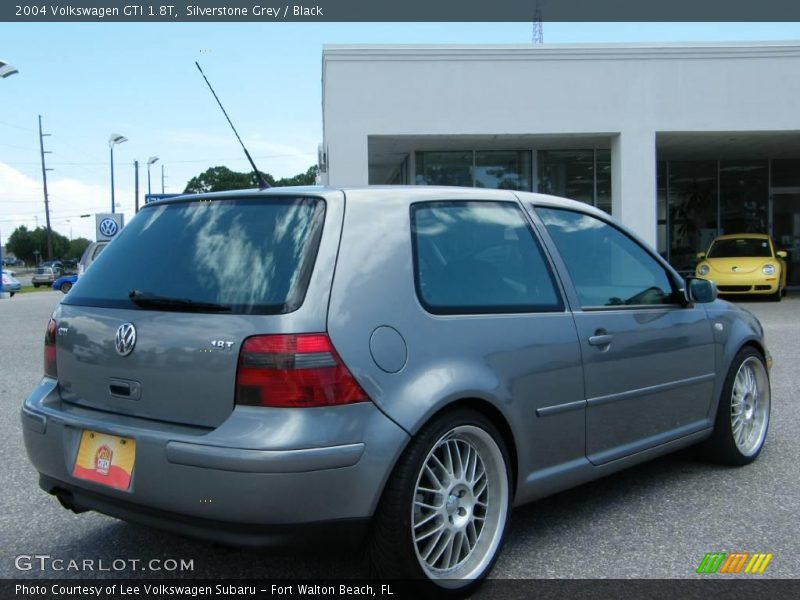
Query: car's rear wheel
pixel 445 510
pixel 743 413
pixel 36 285
pixel 65 287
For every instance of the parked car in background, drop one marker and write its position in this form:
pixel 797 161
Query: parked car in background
pixel 405 363
pixel 10 285
pixel 45 275
pixel 56 265
pixel 746 263
pixel 89 255
pixel 70 264
pixel 64 283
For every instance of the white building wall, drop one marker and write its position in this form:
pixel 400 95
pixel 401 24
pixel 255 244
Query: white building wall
pixel 630 92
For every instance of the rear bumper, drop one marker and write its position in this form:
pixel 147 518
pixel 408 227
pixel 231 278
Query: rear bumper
pixel 221 532
pixel 262 472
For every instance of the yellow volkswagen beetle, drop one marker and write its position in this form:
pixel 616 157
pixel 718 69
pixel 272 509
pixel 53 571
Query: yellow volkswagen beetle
pixel 745 263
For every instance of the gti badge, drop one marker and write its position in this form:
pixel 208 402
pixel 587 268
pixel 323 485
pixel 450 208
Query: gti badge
pixel 125 339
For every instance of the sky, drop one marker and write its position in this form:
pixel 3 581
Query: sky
pixel 91 80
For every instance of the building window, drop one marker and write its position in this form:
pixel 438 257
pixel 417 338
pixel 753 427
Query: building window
pixel 504 170
pixel 494 169
pixel 744 196
pixel 444 168
pixel 583 175
pixel 692 198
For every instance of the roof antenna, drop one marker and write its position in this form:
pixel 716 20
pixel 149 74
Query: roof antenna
pixel 262 183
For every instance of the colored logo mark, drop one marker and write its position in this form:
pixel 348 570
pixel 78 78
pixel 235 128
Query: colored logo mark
pixel 108 227
pixel 736 562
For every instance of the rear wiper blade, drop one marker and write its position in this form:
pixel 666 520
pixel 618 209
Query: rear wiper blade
pixel 147 300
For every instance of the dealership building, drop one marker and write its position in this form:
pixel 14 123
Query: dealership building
pixel 681 142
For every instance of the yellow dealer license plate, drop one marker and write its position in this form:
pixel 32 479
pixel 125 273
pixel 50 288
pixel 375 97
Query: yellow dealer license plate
pixel 105 459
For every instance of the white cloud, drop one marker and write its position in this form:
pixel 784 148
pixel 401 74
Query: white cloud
pixel 22 203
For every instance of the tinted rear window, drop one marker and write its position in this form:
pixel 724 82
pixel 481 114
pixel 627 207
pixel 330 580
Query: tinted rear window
pixel 252 256
pixel 740 248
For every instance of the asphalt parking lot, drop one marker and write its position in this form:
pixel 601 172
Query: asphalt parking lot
pixel 654 521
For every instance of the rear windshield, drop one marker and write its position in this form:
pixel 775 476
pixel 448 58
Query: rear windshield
pixel 249 256
pixel 740 248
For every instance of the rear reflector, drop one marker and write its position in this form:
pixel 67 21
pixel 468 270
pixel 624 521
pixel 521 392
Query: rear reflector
pixel 293 371
pixel 50 368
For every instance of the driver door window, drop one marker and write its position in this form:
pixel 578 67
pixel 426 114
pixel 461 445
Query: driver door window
pixel 606 266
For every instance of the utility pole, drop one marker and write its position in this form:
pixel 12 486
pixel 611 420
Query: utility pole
pixel 46 199
pixel 136 186
pixel 162 178
pixel 538 27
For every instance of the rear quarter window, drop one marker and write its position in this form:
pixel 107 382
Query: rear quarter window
pixel 479 257
pixel 248 255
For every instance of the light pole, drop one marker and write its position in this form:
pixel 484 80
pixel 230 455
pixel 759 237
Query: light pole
pixel 112 141
pixel 6 70
pixel 150 161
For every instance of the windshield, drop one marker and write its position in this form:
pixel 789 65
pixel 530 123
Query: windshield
pixel 246 255
pixel 740 248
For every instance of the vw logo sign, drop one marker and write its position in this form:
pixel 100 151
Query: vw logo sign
pixel 108 227
pixel 125 339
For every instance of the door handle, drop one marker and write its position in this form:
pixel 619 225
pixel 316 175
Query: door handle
pixel 600 339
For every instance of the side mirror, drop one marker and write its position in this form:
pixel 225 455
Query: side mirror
pixel 701 255
pixel 700 291
pixel 781 254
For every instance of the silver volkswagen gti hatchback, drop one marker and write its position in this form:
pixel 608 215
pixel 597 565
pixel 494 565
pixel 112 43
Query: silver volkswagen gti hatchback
pixel 408 363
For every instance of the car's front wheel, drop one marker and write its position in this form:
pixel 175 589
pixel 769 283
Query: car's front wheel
pixel 444 513
pixel 743 413
pixel 65 287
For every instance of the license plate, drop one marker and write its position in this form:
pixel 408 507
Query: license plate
pixel 105 459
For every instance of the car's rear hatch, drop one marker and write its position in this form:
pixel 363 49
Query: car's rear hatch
pixel 194 279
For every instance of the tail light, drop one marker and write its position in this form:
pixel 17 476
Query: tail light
pixel 50 368
pixel 293 371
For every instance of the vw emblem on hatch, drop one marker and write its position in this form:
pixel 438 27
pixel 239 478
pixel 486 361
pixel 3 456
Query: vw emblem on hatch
pixel 734 269
pixel 108 227
pixel 125 339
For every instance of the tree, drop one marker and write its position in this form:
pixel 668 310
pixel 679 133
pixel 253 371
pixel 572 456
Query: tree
pixel 77 247
pixel 24 244
pixel 219 179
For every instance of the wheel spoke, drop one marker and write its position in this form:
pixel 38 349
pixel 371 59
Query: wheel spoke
pixel 445 542
pixel 428 534
pixel 426 505
pixel 427 519
pixel 435 542
pixel 458 463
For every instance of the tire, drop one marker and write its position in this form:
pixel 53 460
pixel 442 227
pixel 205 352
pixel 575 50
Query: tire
pixel 36 285
pixel 12 294
pixel 742 421
pixel 65 287
pixel 433 492
pixel 776 297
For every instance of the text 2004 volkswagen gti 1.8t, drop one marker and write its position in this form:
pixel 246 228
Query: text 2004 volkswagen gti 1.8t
pixel 408 362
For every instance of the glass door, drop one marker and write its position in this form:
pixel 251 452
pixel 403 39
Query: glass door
pixel 786 231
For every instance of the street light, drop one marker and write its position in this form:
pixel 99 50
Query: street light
pixel 150 161
pixel 112 141
pixel 6 70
